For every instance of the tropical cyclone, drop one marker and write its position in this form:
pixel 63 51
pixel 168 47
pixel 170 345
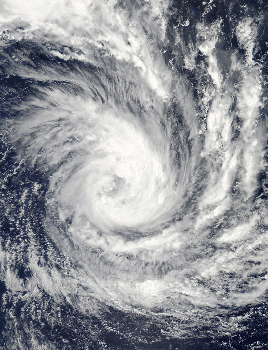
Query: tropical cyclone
pixel 132 163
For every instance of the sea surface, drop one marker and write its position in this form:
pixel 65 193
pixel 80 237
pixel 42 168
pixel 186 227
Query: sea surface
pixel 134 186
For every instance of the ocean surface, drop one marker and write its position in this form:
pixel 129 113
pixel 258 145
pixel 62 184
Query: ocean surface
pixel 134 186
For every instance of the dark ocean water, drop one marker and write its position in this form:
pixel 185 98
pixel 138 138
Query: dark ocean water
pixel 133 175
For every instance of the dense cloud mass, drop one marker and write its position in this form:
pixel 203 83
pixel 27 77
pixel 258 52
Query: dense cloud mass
pixel 133 174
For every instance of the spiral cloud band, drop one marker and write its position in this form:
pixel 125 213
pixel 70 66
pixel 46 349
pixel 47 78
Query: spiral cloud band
pixel 133 175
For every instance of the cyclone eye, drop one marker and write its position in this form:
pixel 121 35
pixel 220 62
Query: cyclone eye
pixel 112 185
